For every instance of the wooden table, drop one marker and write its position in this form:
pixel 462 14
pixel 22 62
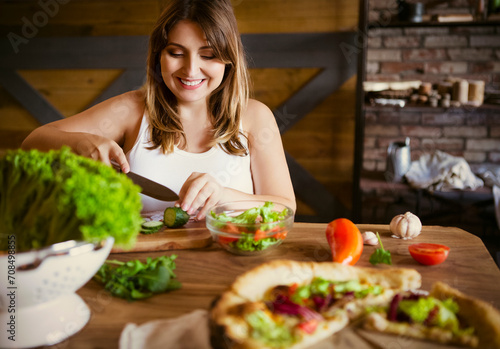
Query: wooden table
pixel 205 273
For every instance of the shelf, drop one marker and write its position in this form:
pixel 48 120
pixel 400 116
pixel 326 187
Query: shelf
pixel 399 24
pixel 423 108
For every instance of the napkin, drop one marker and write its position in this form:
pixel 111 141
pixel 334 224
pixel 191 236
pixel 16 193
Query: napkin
pixel 441 172
pixel 189 331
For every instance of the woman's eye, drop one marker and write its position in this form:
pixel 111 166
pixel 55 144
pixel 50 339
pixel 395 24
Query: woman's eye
pixel 208 57
pixel 175 54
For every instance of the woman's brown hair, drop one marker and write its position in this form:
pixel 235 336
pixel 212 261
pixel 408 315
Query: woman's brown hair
pixel 217 20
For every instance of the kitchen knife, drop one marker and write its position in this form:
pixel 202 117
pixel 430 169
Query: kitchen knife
pixel 149 187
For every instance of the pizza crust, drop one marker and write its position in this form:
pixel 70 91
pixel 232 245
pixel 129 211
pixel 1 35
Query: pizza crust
pixel 229 330
pixel 479 314
pixel 482 316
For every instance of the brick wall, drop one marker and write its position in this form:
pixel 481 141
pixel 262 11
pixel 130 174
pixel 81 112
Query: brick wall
pixel 432 54
pixel 473 133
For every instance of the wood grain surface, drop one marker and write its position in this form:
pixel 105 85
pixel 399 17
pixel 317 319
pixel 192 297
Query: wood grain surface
pixel 192 235
pixel 206 272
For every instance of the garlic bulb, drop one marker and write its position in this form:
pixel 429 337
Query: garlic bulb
pixel 406 226
pixel 369 238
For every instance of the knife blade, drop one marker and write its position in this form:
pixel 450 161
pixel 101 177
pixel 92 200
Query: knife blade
pixel 150 188
pixel 153 189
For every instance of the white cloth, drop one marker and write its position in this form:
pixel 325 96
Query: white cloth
pixel 173 169
pixel 189 331
pixel 442 171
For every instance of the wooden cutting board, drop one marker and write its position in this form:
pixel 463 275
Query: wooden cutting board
pixel 192 235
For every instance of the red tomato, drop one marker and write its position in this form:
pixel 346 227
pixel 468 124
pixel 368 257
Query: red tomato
pixel 225 240
pixel 429 254
pixel 309 326
pixel 345 241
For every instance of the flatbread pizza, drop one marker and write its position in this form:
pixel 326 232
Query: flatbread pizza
pixel 445 316
pixel 289 304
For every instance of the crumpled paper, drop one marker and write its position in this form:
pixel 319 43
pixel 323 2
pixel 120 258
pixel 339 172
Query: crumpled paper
pixel 189 331
pixel 439 171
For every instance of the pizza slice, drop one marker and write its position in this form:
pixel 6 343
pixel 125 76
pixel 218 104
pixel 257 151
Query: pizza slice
pixel 445 315
pixel 288 304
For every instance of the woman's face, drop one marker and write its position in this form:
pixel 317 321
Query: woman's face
pixel 188 65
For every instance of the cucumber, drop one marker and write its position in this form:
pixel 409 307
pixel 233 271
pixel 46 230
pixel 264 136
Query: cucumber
pixel 151 227
pixel 175 217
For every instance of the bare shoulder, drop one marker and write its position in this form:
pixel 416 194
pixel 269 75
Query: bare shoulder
pixel 257 115
pixel 129 104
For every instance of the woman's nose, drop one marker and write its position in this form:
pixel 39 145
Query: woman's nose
pixel 192 65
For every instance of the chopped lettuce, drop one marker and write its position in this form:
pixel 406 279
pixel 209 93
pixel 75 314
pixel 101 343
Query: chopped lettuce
pixel 254 237
pixel 418 310
pixel 250 216
pixel 247 243
pixel 268 331
pixel 434 312
pixel 322 287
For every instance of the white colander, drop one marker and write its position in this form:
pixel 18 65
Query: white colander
pixel 38 303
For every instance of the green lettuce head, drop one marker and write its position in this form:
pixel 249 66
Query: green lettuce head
pixel 54 196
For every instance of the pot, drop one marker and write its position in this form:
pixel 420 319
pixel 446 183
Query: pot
pixel 398 160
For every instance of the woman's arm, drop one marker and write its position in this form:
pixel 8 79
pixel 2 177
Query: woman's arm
pixel 101 132
pixel 270 174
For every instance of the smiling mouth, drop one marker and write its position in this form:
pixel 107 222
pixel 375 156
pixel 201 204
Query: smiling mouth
pixel 191 82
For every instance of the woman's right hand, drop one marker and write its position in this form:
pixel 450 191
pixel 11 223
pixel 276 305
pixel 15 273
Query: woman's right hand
pixel 102 149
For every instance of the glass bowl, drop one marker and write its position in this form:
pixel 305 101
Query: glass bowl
pixel 249 227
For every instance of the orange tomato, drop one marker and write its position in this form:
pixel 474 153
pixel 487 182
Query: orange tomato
pixel 259 234
pixel 345 241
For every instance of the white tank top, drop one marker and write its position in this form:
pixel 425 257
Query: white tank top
pixel 173 169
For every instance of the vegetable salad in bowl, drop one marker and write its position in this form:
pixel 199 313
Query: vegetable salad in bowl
pixel 249 227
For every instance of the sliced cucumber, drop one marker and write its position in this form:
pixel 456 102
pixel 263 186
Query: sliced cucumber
pixel 175 217
pixel 151 227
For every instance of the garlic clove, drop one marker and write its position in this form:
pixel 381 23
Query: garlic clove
pixel 369 238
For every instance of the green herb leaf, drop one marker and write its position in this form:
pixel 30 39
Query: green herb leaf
pixel 136 280
pixel 380 255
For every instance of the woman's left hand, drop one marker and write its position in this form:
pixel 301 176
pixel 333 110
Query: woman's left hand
pixel 200 191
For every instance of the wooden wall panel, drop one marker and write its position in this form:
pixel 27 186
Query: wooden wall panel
pixel 70 91
pixel 285 16
pixel 273 86
pixel 323 142
pixel 83 17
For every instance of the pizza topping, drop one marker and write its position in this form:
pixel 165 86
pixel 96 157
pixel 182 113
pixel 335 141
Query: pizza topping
pixel 283 305
pixel 320 294
pixel 427 311
pixel 269 330
pixel 291 310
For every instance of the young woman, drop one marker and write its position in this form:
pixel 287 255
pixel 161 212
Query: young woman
pixel 192 126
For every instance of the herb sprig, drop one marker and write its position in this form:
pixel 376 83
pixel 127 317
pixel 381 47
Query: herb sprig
pixel 380 255
pixel 134 280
